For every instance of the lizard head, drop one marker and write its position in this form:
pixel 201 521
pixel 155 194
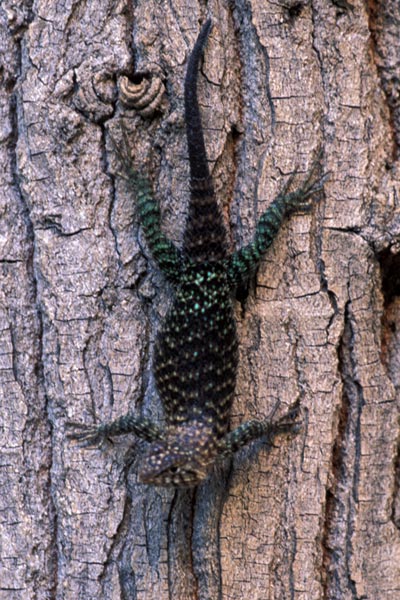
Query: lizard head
pixel 183 457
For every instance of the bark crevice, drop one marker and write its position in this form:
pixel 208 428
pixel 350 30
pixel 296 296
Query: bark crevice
pixel 342 494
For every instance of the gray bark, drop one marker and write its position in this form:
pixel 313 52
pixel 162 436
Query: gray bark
pixel 318 515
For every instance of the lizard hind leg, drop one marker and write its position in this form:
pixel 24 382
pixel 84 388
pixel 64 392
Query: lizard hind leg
pixel 163 250
pixel 85 436
pixel 92 435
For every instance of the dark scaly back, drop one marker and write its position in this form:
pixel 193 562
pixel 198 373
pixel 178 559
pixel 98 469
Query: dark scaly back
pixel 195 358
pixel 205 236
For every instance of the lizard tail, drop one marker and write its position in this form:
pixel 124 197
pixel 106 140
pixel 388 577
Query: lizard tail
pixel 205 235
pixel 194 131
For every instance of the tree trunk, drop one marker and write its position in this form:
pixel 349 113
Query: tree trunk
pixel 317 515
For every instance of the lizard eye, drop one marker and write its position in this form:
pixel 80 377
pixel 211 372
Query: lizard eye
pixel 173 469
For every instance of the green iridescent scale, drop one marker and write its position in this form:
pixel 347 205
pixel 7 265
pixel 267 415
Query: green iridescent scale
pixel 195 359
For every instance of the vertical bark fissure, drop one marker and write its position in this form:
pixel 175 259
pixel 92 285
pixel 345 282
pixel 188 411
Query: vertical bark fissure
pixel 396 489
pixel 390 347
pixel 252 52
pixel 37 428
pixel 342 497
pixel 210 499
pixel 169 549
pixel 292 558
pixel 182 581
pixel 271 104
pixel 118 555
pixel 229 157
pixel 121 548
pixel 113 193
pixel 298 361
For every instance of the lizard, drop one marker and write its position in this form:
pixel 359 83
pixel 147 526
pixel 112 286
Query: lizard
pixel 196 350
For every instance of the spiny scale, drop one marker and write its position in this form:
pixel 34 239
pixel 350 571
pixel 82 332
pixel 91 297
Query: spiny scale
pixel 195 359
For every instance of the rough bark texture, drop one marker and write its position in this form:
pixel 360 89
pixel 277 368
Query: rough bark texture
pixel 317 516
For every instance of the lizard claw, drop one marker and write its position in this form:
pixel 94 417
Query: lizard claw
pixel 287 423
pixel 299 199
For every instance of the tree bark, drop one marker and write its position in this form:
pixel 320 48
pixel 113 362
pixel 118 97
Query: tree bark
pixel 316 516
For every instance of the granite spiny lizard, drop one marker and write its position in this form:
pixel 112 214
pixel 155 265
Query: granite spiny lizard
pixel 195 360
